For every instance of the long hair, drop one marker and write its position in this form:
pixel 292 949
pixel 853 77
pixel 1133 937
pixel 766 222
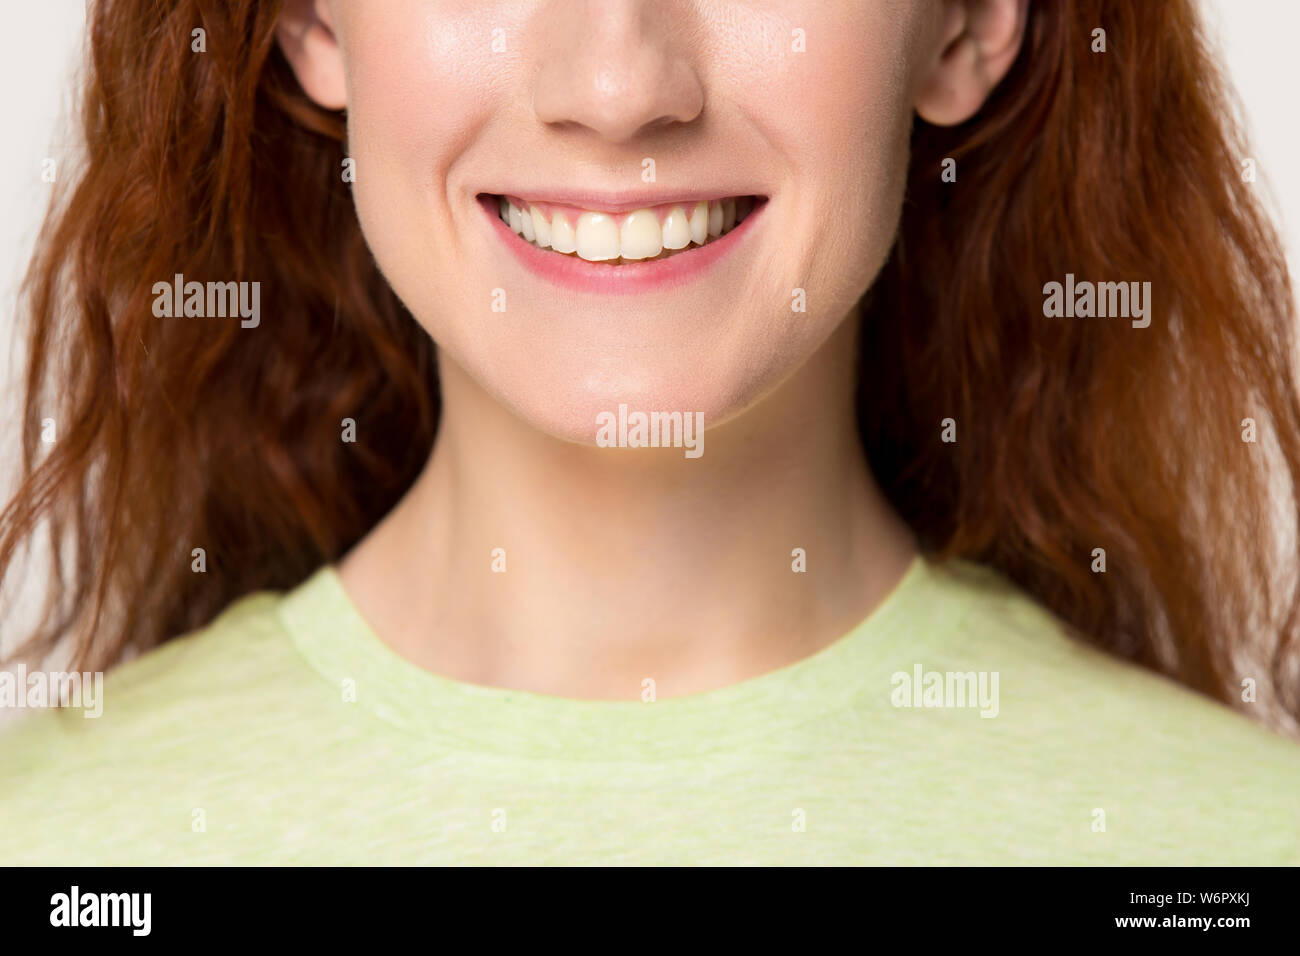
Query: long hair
pixel 1080 443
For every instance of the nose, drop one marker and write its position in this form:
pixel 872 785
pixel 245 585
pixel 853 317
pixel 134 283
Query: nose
pixel 616 68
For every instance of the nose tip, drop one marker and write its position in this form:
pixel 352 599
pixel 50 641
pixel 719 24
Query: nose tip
pixel 615 70
pixel 616 103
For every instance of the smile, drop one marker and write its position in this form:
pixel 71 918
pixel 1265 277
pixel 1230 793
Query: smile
pixel 633 247
pixel 652 232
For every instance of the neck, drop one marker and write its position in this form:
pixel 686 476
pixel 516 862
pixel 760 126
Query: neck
pixel 618 565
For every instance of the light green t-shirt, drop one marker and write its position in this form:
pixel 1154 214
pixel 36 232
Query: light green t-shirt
pixel 286 732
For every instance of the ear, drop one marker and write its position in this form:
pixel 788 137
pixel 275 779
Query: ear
pixel 978 42
pixel 306 37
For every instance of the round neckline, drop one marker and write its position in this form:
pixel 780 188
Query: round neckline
pixel 329 632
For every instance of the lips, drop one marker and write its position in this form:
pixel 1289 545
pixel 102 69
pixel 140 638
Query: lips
pixel 626 246
pixel 617 238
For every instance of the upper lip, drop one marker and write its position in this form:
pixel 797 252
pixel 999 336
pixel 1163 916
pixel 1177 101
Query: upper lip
pixel 618 200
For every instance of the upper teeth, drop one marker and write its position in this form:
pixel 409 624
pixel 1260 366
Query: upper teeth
pixel 611 237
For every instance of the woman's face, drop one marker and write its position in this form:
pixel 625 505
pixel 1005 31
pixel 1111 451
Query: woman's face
pixel 608 122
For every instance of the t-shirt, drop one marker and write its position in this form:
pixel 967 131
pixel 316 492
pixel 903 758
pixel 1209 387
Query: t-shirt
pixel 960 723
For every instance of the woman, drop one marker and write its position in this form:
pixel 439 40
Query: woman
pixel 856 432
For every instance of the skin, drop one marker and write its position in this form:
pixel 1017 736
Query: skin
pixel 627 564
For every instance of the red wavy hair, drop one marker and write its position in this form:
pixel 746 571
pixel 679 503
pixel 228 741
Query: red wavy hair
pixel 1074 434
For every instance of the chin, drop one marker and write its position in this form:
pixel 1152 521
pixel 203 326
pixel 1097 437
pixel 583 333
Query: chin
pixel 597 407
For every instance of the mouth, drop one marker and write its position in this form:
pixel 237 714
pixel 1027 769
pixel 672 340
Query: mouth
pixel 627 248
pixel 619 238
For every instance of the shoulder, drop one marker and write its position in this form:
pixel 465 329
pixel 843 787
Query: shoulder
pixel 243 648
pixel 169 716
pixel 1056 673
pixel 1056 668
pixel 1165 771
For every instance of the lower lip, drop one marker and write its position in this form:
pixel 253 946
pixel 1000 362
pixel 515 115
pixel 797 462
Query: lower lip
pixel 580 275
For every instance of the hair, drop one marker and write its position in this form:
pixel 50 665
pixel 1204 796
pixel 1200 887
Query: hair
pixel 1074 434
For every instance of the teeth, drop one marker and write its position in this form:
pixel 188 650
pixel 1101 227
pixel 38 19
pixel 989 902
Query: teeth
pixel 676 229
pixel 598 236
pixel 641 236
pixel 562 236
pixel 699 224
pixel 541 228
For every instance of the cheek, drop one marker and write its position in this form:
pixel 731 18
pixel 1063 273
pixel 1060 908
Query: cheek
pixel 416 85
pixel 850 133
pixel 840 116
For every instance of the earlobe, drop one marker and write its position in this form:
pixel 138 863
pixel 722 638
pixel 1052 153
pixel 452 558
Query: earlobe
pixel 305 34
pixel 978 43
